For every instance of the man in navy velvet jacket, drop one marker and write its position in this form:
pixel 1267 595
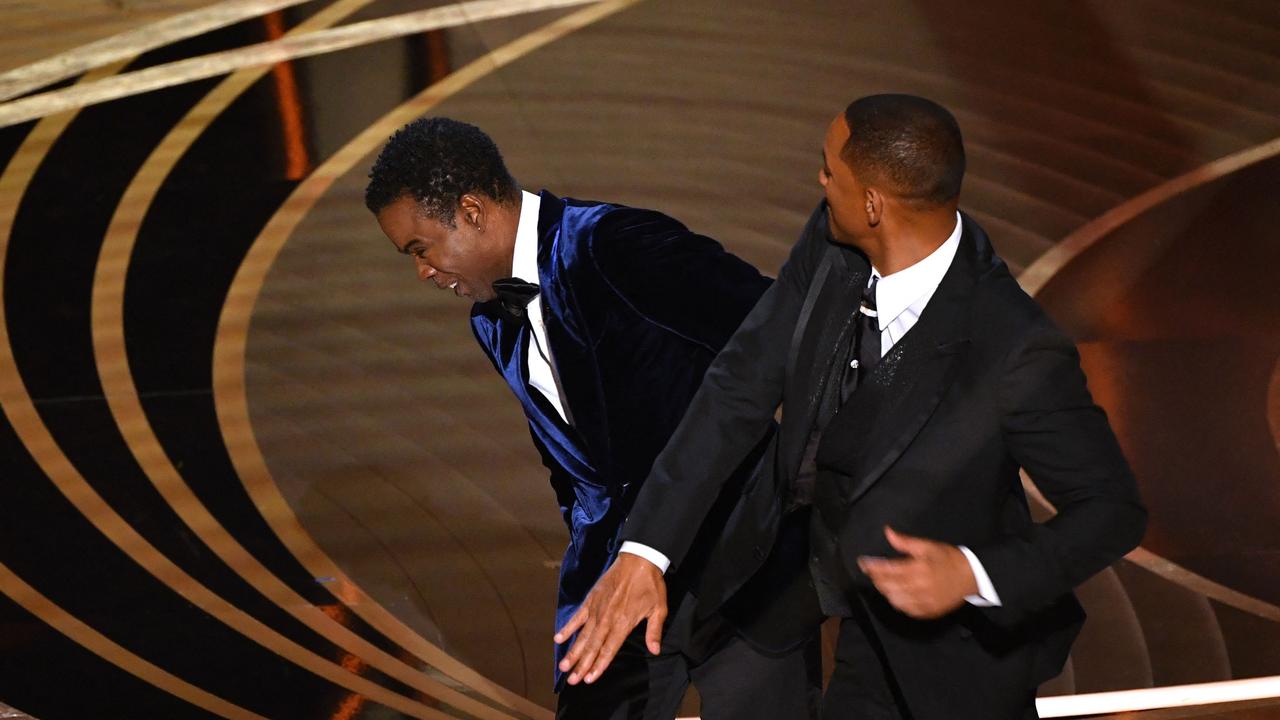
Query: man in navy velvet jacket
pixel 602 319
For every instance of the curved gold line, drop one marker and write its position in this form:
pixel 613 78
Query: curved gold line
pixel 17 407
pixel 295 46
pixel 1033 280
pixel 122 398
pixel 72 627
pixel 1174 572
pixel 132 43
pixel 229 350
pixel 1037 275
pixel 1179 575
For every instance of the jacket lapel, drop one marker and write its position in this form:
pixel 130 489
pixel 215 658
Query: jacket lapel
pixel 834 293
pixel 893 405
pixel 570 348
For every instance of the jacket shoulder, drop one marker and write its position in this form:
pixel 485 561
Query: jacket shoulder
pixel 1004 317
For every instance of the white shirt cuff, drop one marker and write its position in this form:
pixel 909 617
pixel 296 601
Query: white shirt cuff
pixel 647 553
pixel 986 596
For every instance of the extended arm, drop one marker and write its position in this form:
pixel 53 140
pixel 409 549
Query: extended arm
pixel 738 397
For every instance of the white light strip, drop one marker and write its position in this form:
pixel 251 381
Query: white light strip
pixel 134 42
pixel 1174 696
pixel 270 53
pixel 1213 693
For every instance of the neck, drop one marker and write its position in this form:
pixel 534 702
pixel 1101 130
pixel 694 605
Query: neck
pixel 910 239
pixel 507 222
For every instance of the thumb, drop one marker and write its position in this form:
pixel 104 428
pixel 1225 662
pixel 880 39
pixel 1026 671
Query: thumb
pixel 905 544
pixel 653 630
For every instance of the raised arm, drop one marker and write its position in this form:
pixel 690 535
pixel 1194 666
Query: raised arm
pixel 738 397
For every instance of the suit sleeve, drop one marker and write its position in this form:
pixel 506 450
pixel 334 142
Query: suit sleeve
pixel 1063 440
pixel 733 407
pixel 684 282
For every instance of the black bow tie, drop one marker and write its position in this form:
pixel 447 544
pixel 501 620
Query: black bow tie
pixel 515 295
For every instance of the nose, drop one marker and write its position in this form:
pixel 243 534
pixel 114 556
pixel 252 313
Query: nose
pixel 425 271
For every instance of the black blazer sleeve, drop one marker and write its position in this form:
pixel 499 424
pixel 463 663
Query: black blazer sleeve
pixel 730 412
pixel 1062 439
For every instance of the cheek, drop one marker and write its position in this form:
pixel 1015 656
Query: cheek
pixel 838 216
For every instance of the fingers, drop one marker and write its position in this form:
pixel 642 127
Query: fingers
pixel 902 582
pixel 907 544
pixel 630 591
pixel 578 620
pixel 885 569
pixel 583 653
pixel 581 669
pixel 608 650
pixel 653 630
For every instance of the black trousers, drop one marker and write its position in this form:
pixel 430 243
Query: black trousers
pixel 862 686
pixel 734 680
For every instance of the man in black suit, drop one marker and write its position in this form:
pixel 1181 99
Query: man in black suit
pixel 915 379
pixel 601 319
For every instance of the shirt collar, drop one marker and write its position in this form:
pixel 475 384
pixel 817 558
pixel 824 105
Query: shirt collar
pixel 904 289
pixel 524 260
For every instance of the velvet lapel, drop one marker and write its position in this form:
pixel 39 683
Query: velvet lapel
pixel 571 349
pixel 890 407
pixel 836 290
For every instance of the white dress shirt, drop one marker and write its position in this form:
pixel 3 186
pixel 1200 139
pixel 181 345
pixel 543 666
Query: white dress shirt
pixel 900 300
pixel 524 265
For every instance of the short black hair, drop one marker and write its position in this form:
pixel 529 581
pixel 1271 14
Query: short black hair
pixel 437 160
pixel 911 144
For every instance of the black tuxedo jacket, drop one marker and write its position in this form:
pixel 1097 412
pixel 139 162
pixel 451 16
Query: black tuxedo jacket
pixel 931 443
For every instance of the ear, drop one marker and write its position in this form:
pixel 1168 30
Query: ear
pixel 873 206
pixel 472 208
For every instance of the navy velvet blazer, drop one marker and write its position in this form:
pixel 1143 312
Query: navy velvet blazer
pixel 636 307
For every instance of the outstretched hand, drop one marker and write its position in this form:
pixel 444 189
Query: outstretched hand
pixel 630 591
pixel 932 580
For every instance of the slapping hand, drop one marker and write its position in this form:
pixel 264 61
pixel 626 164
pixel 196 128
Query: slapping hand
pixel 630 591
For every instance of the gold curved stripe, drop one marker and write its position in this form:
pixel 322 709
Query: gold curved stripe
pixel 44 450
pixel 122 398
pixel 268 53
pixel 1174 572
pixel 17 407
pixel 132 43
pixel 1179 575
pixel 67 624
pixel 229 350
pixel 1037 275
